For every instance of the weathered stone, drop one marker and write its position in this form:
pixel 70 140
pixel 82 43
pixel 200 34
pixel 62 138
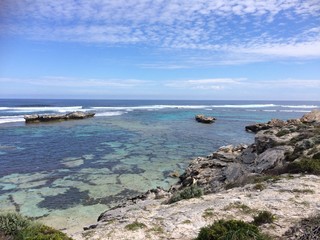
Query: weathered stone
pixel 234 172
pixel 204 119
pixel 248 156
pixel 272 158
pixel 313 116
pixel 57 117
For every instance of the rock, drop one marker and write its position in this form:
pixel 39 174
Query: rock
pixel 264 126
pixel 313 116
pixel 248 156
pixel 272 158
pixel 204 119
pixel 57 117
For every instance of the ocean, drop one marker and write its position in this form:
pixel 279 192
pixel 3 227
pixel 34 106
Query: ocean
pixel 66 173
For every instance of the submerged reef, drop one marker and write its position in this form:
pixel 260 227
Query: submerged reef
pixel 276 175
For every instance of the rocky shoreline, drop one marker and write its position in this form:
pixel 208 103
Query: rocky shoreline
pixel 233 176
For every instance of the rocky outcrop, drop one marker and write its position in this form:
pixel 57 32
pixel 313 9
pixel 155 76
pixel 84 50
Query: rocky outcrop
pixel 264 126
pixel 313 116
pixel 277 143
pixel 203 119
pixel 57 117
pixel 291 198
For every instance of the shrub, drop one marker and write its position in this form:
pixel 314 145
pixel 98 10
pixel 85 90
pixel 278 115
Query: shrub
pixel 282 132
pixel 307 228
pixel 231 230
pixel 259 186
pixel 17 227
pixel 12 223
pixel 187 193
pixel 39 231
pixel 263 217
pixel 316 156
pixel 135 226
pixel 242 207
pixel 306 165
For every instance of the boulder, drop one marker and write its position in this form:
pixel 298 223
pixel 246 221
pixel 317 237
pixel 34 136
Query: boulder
pixel 264 126
pixel 203 119
pixel 313 116
pixel 57 117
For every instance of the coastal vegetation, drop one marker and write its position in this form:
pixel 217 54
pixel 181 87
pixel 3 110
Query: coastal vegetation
pixel 187 193
pixel 13 226
pixel 263 217
pixel 135 226
pixel 231 229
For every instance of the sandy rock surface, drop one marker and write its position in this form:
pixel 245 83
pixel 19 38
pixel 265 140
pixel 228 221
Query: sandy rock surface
pixel 291 198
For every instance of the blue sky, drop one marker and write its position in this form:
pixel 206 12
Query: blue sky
pixel 160 49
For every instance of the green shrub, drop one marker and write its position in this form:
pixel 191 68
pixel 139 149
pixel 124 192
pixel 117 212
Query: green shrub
pixel 316 156
pixel 17 227
pixel 282 132
pixel 259 186
pixel 311 166
pixel 135 226
pixel 39 231
pixel 231 230
pixel 237 205
pixel 12 223
pixel 263 217
pixel 187 193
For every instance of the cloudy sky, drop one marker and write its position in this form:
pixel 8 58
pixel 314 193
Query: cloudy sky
pixel 160 49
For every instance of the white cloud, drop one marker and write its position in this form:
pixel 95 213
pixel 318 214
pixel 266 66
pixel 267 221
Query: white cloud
pixel 230 30
pixel 68 82
pixel 245 84
pixel 205 84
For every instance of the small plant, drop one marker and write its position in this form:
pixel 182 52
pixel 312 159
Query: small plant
pixel 187 193
pixel 267 178
pixel 135 226
pixel 156 229
pixel 303 191
pixel 282 132
pixel 259 186
pixel 232 229
pixel 306 165
pixel 242 207
pixel 186 221
pixel 208 213
pixel 263 217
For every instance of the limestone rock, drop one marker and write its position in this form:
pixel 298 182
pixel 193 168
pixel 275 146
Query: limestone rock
pixel 57 117
pixel 203 119
pixel 313 116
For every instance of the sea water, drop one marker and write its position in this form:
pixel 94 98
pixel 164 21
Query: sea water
pixel 66 173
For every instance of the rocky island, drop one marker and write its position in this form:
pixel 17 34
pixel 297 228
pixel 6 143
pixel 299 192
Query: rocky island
pixel 276 175
pixel 204 119
pixel 57 117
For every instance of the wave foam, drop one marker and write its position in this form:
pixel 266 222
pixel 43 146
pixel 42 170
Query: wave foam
pixel 11 119
pixel 42 109
pixel 109 114
pixel 299 106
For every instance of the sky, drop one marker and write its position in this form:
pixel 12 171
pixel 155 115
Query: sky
pixel 160 49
